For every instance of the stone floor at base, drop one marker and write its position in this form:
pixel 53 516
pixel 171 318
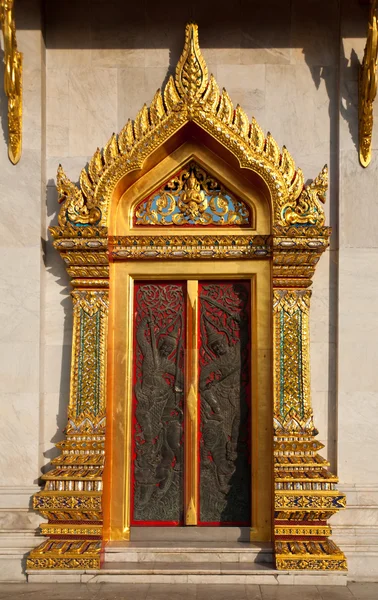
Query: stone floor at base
pixel 116 591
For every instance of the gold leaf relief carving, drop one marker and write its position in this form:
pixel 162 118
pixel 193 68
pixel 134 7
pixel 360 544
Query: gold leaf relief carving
pixel 192 197
pixel 192 96
pixel 12 80
pixel 191 70
pixel 368 88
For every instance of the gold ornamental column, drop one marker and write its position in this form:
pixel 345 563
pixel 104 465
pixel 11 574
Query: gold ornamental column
pixel 72 498
pixel 305 494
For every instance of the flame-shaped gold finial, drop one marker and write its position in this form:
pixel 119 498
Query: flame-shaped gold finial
pixel 191 71
pixel 368 88
pixel 12 80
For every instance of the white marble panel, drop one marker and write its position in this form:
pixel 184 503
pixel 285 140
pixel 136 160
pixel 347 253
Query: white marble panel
pixel 298 105
pixel 56 377
pixel 357 437
pixel 320 404
pixel 164 33
pixel 19 367
pixel 92 109
pixel 367 495
pixel 19 295
pixel 72 166
pixel 266 32
pixel 53 410
pixel 358 204
pixel 118 57
pixel 354 516
pixel 322 366
pixel 117 35
pixel 57 58
pixel 20 194
pixel 314 25
pixel 12 521
pixel 11 567
pixel 352 51
pixel 245 85
pixel 30 42
pixel 322 314
pixel 16 497
pixel 216 57
pixel 68 34
pixel 57 112
pixel 137 86
pixel 358 314
pixel 33 104
pixel 19 438
pixel 349 115
pixel 156 57
pixel 57 311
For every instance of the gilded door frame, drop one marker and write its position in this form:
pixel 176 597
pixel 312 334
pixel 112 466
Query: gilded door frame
pixel 305 493
pixel 123 274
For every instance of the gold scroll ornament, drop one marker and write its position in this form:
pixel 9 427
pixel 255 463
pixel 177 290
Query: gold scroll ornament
pixel 368 89
pixel 12 80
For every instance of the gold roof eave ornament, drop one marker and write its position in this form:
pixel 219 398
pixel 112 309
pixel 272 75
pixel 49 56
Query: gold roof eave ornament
pixel 12 80
pixel 368 89
pixel 191 96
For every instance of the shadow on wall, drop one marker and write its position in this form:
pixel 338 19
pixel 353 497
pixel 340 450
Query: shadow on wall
pixel 55 265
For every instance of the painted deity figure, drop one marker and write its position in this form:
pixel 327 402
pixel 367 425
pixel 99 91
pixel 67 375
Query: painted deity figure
pixel 158 411
pixel 192 201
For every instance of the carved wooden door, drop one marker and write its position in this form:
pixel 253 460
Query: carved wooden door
pixel 191 403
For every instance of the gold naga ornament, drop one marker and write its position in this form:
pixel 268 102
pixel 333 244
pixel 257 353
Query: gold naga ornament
pixel 12 80
pixel 368 89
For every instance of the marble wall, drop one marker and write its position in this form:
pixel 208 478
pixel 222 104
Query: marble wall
pixel 22 190
pixel 93 67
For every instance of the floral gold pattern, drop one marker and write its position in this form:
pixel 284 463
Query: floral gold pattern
pixel 192 197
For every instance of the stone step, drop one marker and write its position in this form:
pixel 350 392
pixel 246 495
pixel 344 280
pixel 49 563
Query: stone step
pixel 189 534
pixel 194 573
pixel 208 568
pixel 188 552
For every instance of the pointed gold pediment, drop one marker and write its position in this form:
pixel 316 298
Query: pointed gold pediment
pixel 192 96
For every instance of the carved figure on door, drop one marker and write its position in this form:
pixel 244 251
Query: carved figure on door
pixel 158 411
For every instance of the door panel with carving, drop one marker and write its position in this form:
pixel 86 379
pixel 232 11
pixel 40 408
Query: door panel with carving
pixel 159 342
pixel 222 478
pixel 224 386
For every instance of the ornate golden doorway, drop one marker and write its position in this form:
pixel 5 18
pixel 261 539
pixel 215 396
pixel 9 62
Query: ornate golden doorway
pixel 249 221
pixel 194 384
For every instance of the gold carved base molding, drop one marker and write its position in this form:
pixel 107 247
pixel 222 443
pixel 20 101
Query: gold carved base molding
pixel 305 498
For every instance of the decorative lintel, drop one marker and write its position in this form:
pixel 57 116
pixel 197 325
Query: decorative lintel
pixel 12 80
pixel 368 89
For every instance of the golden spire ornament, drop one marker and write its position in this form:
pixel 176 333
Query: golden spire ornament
pixel 12 80
pixel 368 89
